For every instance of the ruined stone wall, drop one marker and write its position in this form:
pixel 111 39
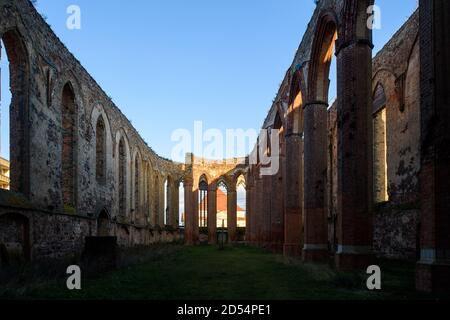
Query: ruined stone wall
pixel 41 70
pixel 284 192
pixel 130 191
pixel 215 170
pixel 396 68
pixel 332 175
pixel 396 232
pixel 61 236
pixel 211 173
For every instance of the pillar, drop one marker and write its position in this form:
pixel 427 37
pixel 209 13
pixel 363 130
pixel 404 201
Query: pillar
pixel 315 248
pixel 433 269
pixel 191 214
pixel 212 214
pixel 277 208
pixel 162 208
pixel 232 214
pixel 258 209
pixel 254 210
pixel 175 205
pixel 155 201
pixel 293 228
pixel 354 108
pixel 248 209
pixel 266 205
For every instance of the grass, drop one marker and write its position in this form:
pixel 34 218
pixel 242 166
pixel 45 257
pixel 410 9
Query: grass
pixel 205 272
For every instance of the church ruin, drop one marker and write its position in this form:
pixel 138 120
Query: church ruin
pixel 363 176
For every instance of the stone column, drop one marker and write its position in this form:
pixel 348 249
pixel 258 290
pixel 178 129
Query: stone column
pixel 277 208
pixel 258 209
pixel 231 214
pixel 169 208
pixel 191 215
pixel 293 228
pixel 273 222
pixel 254 210
pixel 248 210
pixel 267 199
pixel 315 248
pixel 175 205
pixel 154 203
pixel 212 213
pixel 354 108
pixel 196 220
pixel 433 269
pixel 162 208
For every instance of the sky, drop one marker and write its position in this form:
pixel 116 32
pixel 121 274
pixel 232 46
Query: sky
pixel 169 63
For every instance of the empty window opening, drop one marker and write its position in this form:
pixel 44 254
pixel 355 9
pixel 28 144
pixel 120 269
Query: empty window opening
pixel 68 146
pixel 103 224
pixel 122 178
pixel 149 195
pixel 14 154
pixel 323 73
pixel 241 203
pixel 100 151
pixel 166 203
pixel 203 204
pixel 222 205
pixel 181 210
pixel 380 168
pixel 137 181
pixel 156 197
pixel 5 101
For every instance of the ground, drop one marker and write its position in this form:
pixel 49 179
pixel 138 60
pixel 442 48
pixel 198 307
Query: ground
pixel 205 272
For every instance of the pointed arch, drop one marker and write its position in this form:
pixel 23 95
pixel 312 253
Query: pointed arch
pixel 223 181
pixel 241 181
pixel 123 181
pixel 100 151
pixel 137 185
pixel 181 204
pixel 156 206
pixel 145 191
pixel 278 122
pixel 240 175
pixel 103 223
pixel 295 108
pixel 321 55
pixel 241 201
pixel 69 125
pixel 167 194
pixel 203 185
pixel 103 144
pixel 222 187
pixel 149 190
pixel 277 129
pixel 19 83
pixel 379 98
pixel 380 176
pixel 315 138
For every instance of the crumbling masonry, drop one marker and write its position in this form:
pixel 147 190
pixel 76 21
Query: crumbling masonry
pixel 364 176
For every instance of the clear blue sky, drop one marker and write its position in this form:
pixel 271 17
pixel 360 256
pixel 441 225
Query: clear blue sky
pixel 168 63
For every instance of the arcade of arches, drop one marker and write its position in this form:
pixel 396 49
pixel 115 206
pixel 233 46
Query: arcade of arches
pixel 361 177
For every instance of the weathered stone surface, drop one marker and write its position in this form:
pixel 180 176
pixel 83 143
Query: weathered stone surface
pixel 57 153
pixel 355 178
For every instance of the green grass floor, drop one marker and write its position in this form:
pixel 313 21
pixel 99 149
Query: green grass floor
pixel 205 272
